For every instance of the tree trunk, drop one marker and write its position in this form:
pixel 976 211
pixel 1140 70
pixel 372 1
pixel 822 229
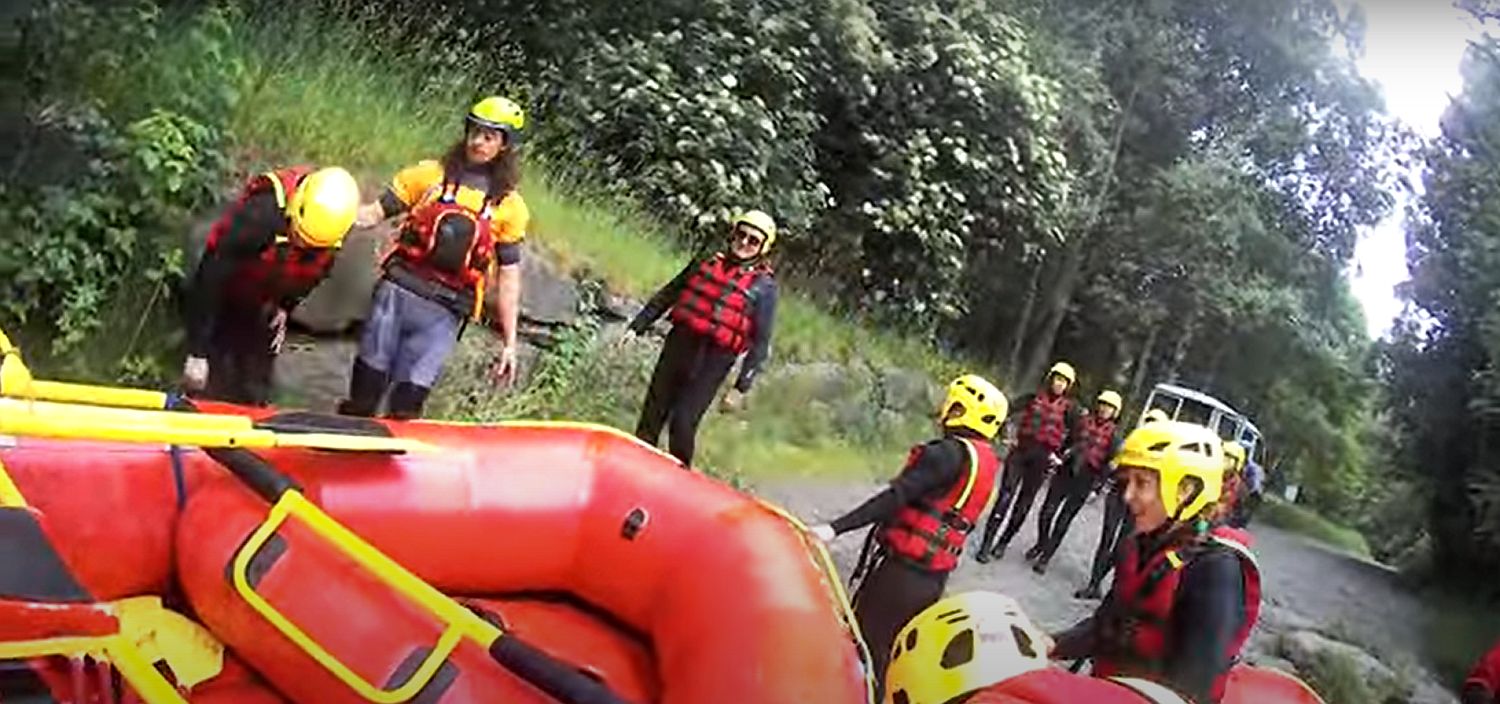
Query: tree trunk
pixel 1055 308
pixel 1142 365
pixel 1018 333
pixel 1061 293
pixel 1184 342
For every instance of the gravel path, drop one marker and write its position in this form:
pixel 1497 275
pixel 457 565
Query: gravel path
pixel 1307 587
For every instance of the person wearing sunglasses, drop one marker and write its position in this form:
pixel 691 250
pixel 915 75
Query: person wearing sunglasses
pixel 722 308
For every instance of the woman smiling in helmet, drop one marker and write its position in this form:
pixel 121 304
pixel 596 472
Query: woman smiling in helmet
pixel 462 232
pixel 721 308
pixel 926 514
pixel 1185 596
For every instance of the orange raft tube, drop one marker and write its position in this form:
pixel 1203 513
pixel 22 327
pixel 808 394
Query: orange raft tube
pixel 663 584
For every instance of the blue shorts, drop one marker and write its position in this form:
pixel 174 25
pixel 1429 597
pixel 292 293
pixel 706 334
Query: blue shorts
pixel 407 336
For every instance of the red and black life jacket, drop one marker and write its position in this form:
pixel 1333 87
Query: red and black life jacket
pixel 1098 438
pixel 931 533
pixel 1486 673
pixel 1138 627
pixel 715 302
pixel 285 269
pixel 1230 495
pixel 445 243
pixel 1044 421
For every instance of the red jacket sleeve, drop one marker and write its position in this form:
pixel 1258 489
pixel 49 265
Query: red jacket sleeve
pixel 1486 672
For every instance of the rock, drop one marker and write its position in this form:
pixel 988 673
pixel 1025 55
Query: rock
pixel 547 296
pixel 909 391
pixel 1304 649
pixel 823 381
pixel 616 307
pixel 343 299
pixel 1272 663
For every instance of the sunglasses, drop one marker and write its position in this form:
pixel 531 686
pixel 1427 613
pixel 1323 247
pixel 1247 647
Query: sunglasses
pixel 749 235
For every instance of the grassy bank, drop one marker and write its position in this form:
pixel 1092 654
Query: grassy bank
pixel 305 86
pixel 1304 521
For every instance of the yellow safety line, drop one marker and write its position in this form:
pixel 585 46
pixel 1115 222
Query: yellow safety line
pixel 836 585
pixel 460 622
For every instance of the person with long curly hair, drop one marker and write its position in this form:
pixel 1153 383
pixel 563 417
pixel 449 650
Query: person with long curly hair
pixel 461 233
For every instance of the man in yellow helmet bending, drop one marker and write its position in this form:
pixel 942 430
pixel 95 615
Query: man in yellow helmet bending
pixel 923 518
pixel 263 255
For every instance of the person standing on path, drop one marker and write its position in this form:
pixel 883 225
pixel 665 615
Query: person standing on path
pixel 722 308
pixel 461 235
pixel 1046 421
pixel 264 254
pixel 1186 594
pixel 1116 523
pixel 1087 468
pixel 923 518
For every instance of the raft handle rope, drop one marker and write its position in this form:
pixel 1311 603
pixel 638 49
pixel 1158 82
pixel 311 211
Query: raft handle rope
pixel 824 562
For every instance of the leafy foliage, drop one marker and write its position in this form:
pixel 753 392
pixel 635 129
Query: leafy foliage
pixel 108 179
pixel 1441 364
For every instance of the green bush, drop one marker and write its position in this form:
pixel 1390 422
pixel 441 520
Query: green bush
pixel 91 248
pixel 697 120
pixel 101 241
pixel 892 140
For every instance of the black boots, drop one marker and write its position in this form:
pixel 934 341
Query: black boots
pixel 366 386
pixel 407 400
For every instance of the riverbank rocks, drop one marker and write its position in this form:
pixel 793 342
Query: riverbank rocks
pixel 1315 654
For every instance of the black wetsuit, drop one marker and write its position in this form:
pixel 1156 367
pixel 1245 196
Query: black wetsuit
pixel 692 367
pixel 236 336
pixel 895 590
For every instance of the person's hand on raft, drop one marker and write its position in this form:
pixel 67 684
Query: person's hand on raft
pixel 733 401
pixel 823 532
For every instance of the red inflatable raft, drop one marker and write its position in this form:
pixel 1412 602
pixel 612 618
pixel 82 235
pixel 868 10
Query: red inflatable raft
pixel 662 584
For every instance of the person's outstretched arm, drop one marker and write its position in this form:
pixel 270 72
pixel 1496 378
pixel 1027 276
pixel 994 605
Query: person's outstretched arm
pixel 939 465
pixel 662 301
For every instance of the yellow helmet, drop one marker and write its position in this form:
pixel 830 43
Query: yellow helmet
pixel 1064 370
pixel 984 406
pixel 499 113
pixel 321 210
pixel 1111 398
pixel 1177 451
pixel 759 220
pixel 959 645
pixel 1154 415
pixel 1234 455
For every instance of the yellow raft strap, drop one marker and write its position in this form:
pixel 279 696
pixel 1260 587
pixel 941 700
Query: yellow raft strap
pixel 79 422
pixel 10 494
pixel 459 622
pixel 824 561
pixel 963 498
